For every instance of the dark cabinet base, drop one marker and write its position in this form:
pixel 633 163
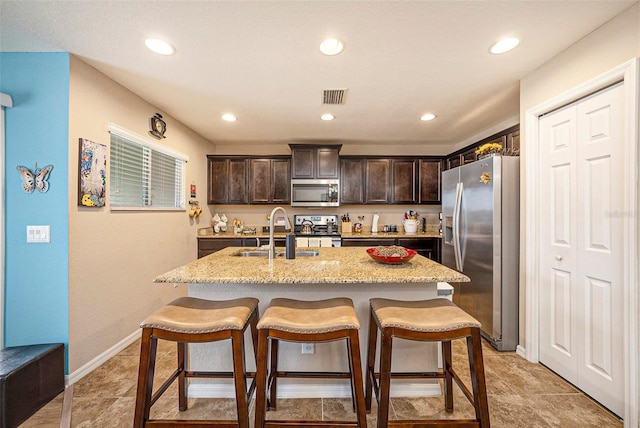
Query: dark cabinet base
pixel 207 246
pixel 428 247
pixel 30 376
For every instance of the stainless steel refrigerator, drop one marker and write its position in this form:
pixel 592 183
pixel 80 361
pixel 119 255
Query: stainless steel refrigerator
pixel 480 215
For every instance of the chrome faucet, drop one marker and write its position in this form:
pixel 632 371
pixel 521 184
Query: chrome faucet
pixel 272 246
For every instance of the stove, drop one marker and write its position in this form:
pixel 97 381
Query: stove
pixel 324 225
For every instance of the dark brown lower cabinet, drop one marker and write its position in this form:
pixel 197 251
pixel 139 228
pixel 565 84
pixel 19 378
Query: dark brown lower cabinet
pixel 367 242
pixel 428 247
pixel 207 246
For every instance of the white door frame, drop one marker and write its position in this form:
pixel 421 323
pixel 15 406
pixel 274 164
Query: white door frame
pixel 628 73
pixel 5 101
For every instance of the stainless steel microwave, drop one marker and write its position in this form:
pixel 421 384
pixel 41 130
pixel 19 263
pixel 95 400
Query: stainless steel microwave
pixel 315 193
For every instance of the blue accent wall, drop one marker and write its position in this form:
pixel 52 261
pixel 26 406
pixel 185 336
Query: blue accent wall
pixel 37 131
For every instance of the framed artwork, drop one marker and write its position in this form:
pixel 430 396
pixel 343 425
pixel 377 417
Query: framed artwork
pixel 92 176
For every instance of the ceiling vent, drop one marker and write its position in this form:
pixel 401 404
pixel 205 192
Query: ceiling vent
pixel 334 96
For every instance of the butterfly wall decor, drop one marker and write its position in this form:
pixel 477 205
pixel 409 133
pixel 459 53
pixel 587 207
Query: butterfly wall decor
pixel 36 179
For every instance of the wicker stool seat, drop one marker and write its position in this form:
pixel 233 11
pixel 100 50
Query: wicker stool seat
pixel 425 320
pixel 307 322
pixel 191 320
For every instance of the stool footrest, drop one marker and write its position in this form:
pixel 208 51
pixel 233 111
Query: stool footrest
pixel 310 424
pixel 221 375
pixel 191 423
pixel 311 375
pixel 414 375
pixel 167 383
pixel 457 423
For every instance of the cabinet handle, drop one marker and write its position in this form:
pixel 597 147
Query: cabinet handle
pixel 558 257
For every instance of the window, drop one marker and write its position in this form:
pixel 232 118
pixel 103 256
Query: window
pixel 144 174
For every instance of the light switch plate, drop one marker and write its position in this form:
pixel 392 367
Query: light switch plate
pixel 38 234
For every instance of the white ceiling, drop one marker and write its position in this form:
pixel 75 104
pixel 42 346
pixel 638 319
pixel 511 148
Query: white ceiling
pixel 260 60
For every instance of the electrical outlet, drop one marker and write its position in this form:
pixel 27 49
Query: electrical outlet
pixel 308 348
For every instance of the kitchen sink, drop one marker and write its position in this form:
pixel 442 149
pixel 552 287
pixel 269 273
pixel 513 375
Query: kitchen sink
pixel 278 253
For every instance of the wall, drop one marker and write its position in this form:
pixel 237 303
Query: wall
pixel 114 256
pixel 605 48
pixel 36 300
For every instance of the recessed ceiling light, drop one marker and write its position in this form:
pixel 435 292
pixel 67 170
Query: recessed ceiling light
pixel 504 45
pixel 160 46
pixel 229 117
pixel 331 47
pixel 327 116
pixel 427 117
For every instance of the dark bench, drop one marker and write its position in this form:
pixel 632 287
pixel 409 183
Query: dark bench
pixel 30 376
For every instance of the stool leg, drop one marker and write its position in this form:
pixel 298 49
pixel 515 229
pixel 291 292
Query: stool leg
pixel 385 377
pixel 371 360
pixel 253 322
pixel 239 377
pixel 478 382
pixel 448 378
pixel 355 364
pixel 261 378
pixel 148 346
pixel 182 379
pixel 273 376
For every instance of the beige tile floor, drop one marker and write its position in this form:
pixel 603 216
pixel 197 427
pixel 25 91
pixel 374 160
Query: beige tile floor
pixel 521 394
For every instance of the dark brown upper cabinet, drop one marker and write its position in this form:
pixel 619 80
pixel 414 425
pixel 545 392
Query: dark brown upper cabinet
pixel 377 181
pixel 352 181
pixel 248 180
pixel 430 172
pixel 403 181
pixel 227 180
pixel 389 180
pixel 509 138
pixel 269 180
pixel 312 161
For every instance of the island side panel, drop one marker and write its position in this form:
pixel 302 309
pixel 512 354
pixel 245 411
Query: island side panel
pixel 407 355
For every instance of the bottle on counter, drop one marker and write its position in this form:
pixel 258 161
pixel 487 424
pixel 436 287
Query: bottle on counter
pixel 290 246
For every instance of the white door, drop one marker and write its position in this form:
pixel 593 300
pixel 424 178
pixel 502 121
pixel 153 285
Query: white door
pixel 581 288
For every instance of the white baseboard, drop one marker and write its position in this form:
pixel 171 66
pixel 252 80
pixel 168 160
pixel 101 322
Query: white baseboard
pixel 201 390
pixel 520 350
pixel 72 378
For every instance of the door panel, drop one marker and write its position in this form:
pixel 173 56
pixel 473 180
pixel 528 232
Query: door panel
pixel 600 169
pixel 478 229
pixel 598 340
pixel 581 290
pixel 558 327
pixel 450 179
pixel 561 322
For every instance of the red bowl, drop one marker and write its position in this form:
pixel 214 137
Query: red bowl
pixel 391 260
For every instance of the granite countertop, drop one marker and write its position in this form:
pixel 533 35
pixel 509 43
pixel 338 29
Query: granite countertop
pixel 333 265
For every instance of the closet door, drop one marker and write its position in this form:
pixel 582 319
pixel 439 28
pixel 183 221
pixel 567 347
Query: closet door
pixel 581 327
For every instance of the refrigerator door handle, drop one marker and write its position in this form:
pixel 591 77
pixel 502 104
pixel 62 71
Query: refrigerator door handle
pixel 456 227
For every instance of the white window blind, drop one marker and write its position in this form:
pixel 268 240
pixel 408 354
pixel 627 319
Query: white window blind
pixel 145 177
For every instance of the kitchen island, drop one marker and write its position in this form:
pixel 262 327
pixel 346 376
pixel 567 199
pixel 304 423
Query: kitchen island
pixel 334 272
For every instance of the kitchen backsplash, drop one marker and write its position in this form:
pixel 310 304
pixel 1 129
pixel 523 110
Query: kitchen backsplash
pixel 257 215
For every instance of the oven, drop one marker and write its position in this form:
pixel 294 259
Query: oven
pixel 313 230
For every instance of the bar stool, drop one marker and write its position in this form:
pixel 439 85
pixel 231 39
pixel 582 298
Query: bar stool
pixel 425 320
pixel 190 320
pixel 307 321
